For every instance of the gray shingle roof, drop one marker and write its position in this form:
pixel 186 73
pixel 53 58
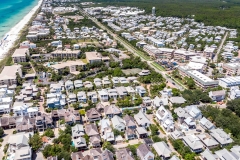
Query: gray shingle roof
pixel 143 149
pixel 162 149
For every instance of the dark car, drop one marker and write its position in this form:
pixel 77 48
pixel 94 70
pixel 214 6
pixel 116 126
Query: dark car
pixel 198 130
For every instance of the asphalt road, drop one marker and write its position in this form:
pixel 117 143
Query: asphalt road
pixel 133 50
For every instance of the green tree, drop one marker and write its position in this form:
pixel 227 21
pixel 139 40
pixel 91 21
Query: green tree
pixel 212 65
pixel 35 141
pixel 49 133
pixel 1 132
pixel 133 149
pixel 156 88
pixel 108 145
pixel 76 105
pixel 5 149
pixel 154 129
pixel 38 95
pixel 19 79
pixel 156 138
pixel 117 72
pixel 190 83
pixel 234 105
pixel 149 111
pixel 190 156
pixel 87 138
pixel 64 155
pixel 116 132
pixel 175 92
pixel 114 64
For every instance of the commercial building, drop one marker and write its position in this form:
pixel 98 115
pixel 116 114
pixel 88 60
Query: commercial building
pixel 209 52
pixel 159 53
pixel 200 79
pixel 229 82
pixel 232 68
pixel 183 55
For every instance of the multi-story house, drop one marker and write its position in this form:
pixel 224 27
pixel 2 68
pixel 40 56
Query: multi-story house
pixel 103 95
pixel 69 85
pixel 111 111
pixel 118 123
pixel 56 100
pixel 82 97
pixel 144 152
pixel 217 95
pixel 141 91
pixel 19 148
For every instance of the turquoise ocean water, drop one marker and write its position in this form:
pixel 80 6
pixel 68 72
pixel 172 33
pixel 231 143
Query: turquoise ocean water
pixel 12 11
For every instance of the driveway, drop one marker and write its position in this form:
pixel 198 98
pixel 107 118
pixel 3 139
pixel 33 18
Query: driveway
pixel 8 133
pixel 41 107
pixel 37 156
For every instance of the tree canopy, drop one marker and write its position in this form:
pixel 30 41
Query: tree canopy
pixel 1 132
pixel 108 145
pixel 62 145
pixel 49 133
pixel 224 119
pixel 195 96
pixel 35 141
pixel 234 105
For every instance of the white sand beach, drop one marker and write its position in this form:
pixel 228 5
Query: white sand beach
pixel 9 39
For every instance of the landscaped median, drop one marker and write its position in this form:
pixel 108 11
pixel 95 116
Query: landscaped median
pixel 141 54
pixel 178 82
pixel 157 66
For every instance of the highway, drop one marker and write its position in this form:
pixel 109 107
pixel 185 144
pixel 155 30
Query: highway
pixel 136 52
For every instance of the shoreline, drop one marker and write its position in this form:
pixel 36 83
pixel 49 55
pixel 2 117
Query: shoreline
pixel 12 36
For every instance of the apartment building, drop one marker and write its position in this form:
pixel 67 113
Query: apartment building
pixel 8 75
pixel 155 42
pixel 37 34
pixel 19 55
pixel 93 57
pixel 72 65
pixel 65 54
pixel 232 68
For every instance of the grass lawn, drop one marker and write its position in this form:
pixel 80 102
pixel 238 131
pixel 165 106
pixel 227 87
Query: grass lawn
pixel 180 82
pixel 30 71
pixel 158 66
pixel 88 40
pixel 84 60
pixel 136 145
pixel 131 71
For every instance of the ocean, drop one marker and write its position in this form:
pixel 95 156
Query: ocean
pixel 12 11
